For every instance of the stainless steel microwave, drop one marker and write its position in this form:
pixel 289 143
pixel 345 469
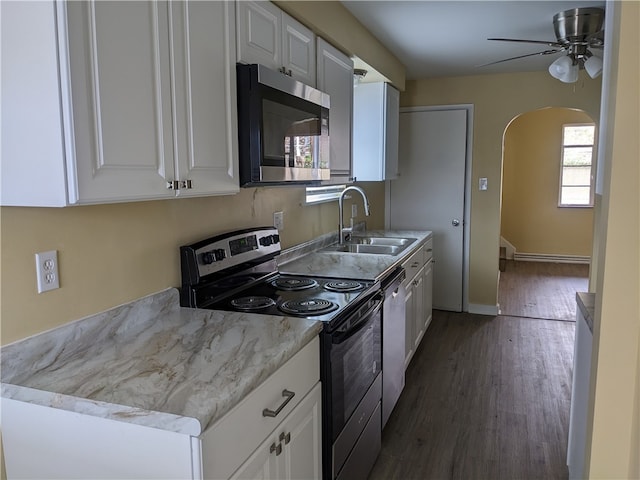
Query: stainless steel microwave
pixel 283 129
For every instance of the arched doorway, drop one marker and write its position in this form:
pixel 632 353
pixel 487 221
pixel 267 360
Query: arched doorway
pixel 552 243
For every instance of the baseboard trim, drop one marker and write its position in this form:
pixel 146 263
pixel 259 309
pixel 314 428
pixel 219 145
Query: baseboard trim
pixel 550 257
pixel 480 309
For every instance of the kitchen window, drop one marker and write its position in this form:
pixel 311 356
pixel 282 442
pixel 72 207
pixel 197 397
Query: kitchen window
pixel 323 194
pixel 577 170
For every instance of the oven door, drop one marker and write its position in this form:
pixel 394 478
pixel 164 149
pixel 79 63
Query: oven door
pixel 355 360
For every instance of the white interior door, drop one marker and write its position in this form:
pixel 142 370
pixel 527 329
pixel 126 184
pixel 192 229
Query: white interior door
pixel 430 194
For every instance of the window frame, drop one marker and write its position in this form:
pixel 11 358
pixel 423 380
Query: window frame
pixel 593 147
pixel 332 195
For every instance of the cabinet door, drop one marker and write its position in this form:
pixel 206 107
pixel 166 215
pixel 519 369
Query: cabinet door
pixel 203 46
pixel 298 50
pixel 262 465
pixel 33 172
pixel 301 439
pixel 121 100
pixel 418 313
pixel 409 322
pixel 293 450
pixel 392 127
pixel 427 285
pixel 259 26
pixel 335 77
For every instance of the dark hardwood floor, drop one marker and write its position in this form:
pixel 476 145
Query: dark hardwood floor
pixel 485 398
pixel 541 290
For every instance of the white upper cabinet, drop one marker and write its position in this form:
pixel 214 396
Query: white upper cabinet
pixel 376 113
pixel 335 77
pixel 134 101
pixel 205 93
pixel 268 36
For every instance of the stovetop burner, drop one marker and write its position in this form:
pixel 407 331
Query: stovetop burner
pixel 294 283
pixel 344 286
pixel 252 303
pixel 310 306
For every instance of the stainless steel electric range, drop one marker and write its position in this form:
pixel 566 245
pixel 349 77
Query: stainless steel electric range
pixel 237 271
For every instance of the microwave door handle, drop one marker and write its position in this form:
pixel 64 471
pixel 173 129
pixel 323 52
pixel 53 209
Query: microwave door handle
pixel 343 337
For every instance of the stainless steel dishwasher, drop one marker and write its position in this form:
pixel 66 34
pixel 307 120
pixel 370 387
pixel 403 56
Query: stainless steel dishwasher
pixel 393 329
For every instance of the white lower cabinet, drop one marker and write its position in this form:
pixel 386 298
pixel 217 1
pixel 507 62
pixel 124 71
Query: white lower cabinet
pixel 418 286
pixel 285 443
pixel 126 100
pixel 293 450
pixel 267 435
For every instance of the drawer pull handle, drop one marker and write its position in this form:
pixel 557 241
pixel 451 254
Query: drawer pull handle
pixel 415 264
pixel 274 413
pixel 285 438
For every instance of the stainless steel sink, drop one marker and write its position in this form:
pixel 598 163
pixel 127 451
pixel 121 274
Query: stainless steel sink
pixel 394 241
pixel 372 245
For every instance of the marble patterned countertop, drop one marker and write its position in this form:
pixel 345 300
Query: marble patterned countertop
pixel 153 363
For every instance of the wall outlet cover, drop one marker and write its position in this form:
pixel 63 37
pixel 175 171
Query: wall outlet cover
pixel 47 271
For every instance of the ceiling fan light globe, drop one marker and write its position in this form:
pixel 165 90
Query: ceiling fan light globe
pixel 593 66
pixel 564 70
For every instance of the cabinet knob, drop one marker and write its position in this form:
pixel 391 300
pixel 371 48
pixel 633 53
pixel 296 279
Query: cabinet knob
pixel 276 448
pixel 285 438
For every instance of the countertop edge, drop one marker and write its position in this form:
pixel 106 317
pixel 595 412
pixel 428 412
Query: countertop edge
pixel 586 303
pixel 110 411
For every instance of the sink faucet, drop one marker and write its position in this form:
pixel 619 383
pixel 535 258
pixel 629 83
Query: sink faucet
pixel 341 228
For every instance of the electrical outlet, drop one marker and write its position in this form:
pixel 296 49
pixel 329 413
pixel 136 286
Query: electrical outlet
pixel 482 184
pixel 278 220
pixel 47 271
pixel 354 210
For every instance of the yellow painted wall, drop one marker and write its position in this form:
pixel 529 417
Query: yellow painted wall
pixel 112 254
pixel 497 100
pixel 531 219
pixel 613 434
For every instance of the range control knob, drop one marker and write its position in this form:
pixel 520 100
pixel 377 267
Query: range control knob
pixel 266 241
pixel 208 258
pixel 275 238
pixel 213 256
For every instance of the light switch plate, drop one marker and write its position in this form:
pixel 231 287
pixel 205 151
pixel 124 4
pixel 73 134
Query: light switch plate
pixel 278 220
pixel 483 185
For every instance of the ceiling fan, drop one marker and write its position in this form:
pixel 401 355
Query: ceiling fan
pixel 577 30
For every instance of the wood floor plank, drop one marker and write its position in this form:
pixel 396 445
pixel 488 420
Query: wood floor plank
pixel 486 398
pixel 541 289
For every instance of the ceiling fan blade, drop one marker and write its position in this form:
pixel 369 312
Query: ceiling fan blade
pixel 519 40
pixel 544 52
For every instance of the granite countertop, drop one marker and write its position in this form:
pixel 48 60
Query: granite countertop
pixel 152 362
pixel 587 305
pixel 356 266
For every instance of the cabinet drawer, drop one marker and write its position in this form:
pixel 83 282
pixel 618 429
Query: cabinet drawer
pixel 427 250
pixel 231 440
pixel 413 265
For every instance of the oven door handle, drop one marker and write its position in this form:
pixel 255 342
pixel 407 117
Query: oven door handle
pixel 344 336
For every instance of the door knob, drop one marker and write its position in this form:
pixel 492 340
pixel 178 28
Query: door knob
pixel 455 222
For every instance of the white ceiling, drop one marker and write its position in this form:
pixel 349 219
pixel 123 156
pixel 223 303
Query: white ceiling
pixel 435 38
